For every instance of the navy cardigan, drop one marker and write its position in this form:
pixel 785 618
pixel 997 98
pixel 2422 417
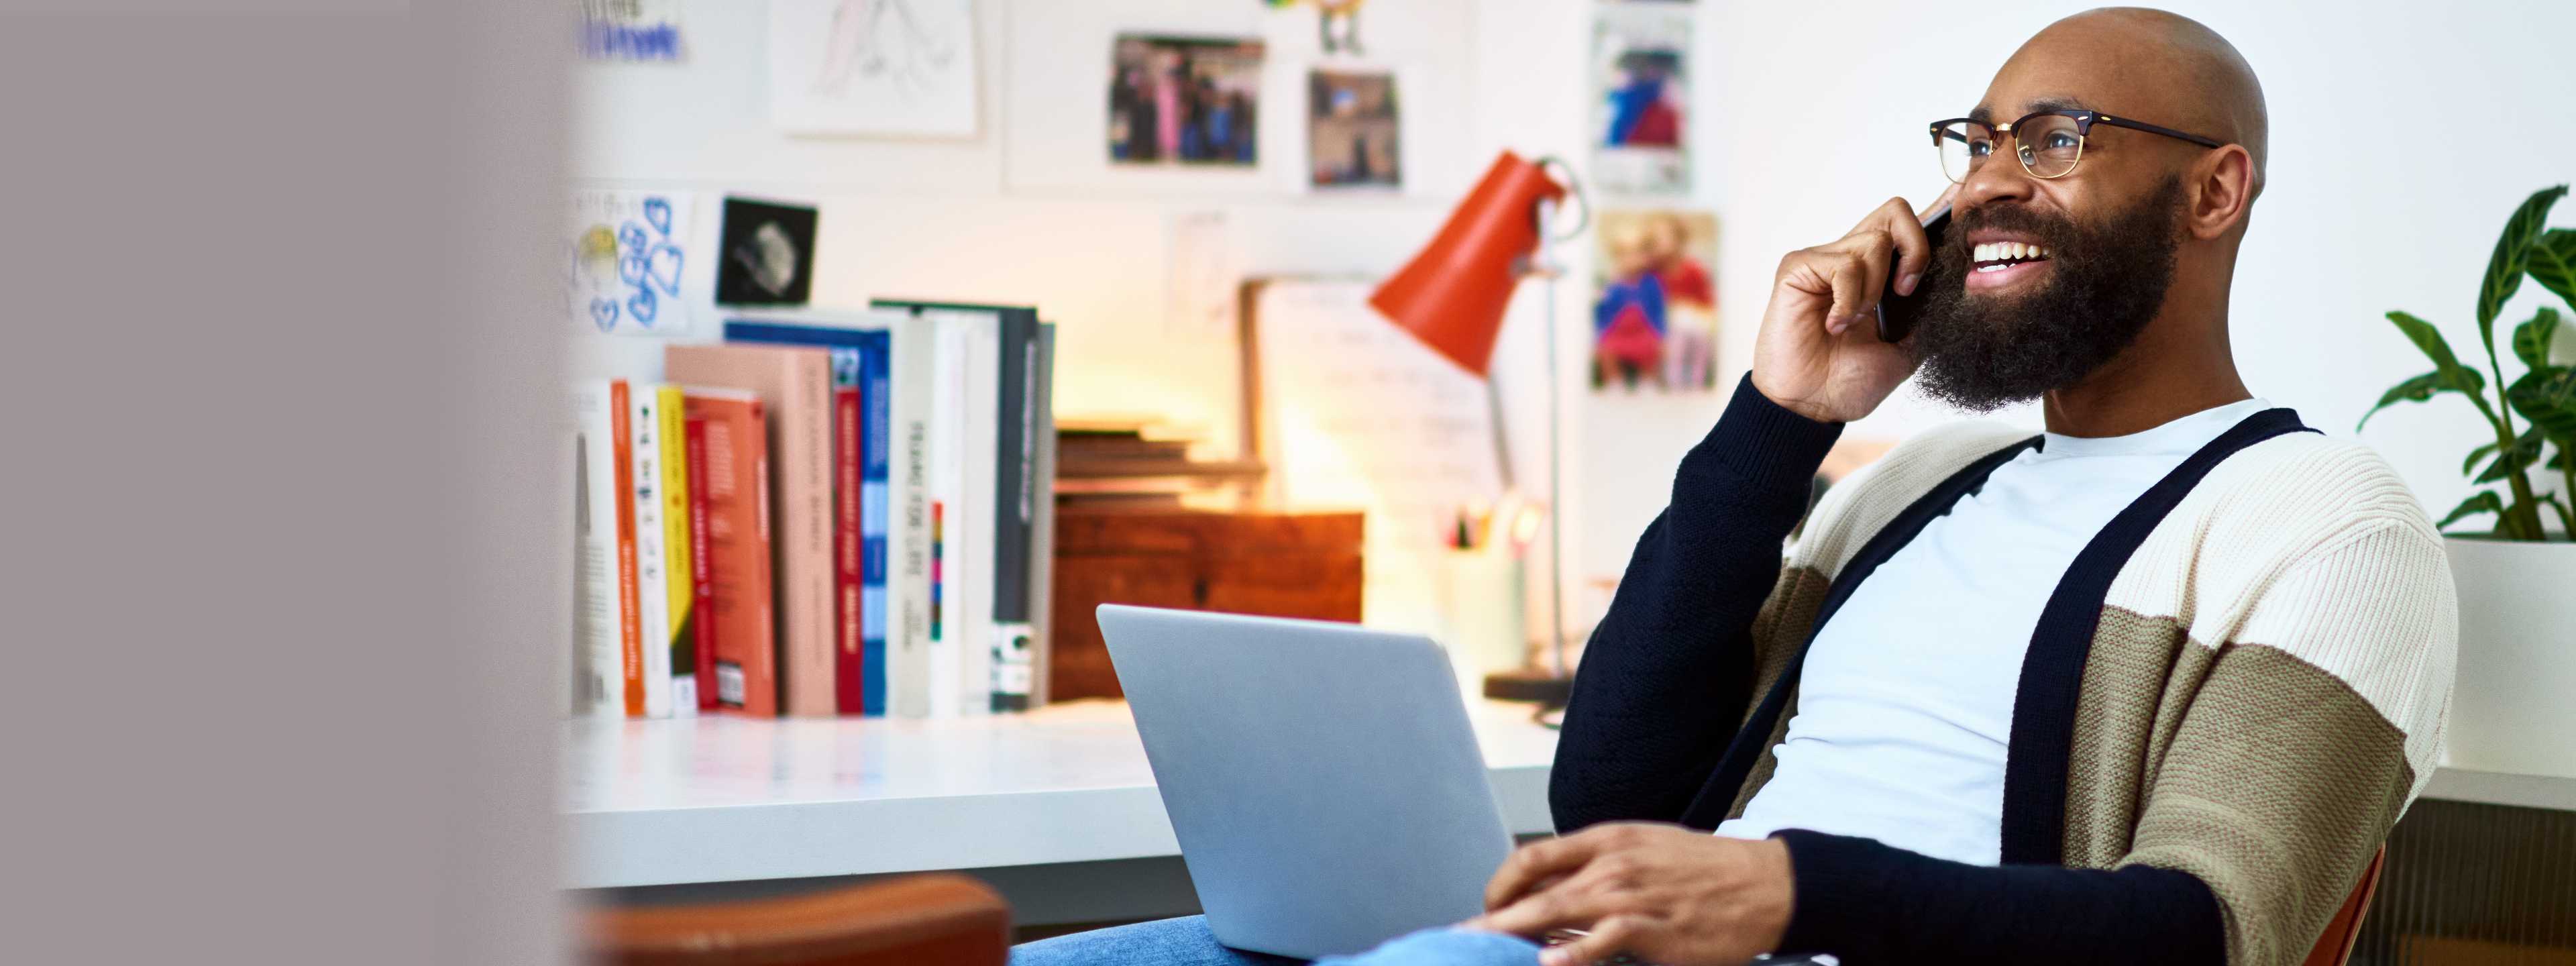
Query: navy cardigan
pixel 1668 679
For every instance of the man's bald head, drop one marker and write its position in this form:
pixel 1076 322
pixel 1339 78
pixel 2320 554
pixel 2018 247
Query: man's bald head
pixel 2150 64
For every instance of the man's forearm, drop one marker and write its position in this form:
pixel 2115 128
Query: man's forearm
pixel 1666 677
pixel 1866 902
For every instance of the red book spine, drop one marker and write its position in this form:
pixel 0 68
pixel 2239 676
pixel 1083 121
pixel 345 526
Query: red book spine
pixel 848 575
pixel 630 631
pixel 702 587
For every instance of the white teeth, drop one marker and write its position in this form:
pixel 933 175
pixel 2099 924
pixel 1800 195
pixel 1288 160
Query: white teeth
pixel 2007 252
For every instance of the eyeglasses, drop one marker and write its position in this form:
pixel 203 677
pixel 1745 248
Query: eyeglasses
pixel 2049 143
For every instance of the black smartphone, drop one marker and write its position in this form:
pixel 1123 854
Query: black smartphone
pixel 1897 313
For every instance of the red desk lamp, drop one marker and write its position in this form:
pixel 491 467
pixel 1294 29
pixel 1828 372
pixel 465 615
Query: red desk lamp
pixel 1452 297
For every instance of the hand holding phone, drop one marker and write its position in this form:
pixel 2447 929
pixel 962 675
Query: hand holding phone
pixel 1898 313
pixel 1808 358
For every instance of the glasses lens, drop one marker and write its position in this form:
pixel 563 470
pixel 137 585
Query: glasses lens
pixel 2050 145
pixel 1964 148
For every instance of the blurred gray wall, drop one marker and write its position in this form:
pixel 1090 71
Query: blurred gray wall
pixel 281 587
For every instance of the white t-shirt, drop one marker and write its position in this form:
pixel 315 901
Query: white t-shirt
pixel 1905 706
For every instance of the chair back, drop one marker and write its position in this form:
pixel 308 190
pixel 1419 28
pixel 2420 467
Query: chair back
pixel 2335 946
pixel 909 921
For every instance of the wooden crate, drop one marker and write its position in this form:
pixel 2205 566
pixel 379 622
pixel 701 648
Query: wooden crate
pixel 1273 564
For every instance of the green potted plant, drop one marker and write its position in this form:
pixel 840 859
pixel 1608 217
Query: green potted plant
pixel 2514 706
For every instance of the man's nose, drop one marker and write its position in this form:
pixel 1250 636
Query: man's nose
pixel 2000 178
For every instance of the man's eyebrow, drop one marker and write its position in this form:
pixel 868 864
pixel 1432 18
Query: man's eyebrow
pixel 1986 115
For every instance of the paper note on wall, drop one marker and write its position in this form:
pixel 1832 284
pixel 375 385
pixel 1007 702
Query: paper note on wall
pixel 872 67
pixel 625 255
pixel 1356 413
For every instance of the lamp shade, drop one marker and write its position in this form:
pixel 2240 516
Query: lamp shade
pixel 1452 296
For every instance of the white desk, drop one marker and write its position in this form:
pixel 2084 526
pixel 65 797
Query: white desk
pixel 1057 807
pixel 724 799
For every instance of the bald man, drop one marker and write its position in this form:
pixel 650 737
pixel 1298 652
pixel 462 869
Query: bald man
pixel 2149 687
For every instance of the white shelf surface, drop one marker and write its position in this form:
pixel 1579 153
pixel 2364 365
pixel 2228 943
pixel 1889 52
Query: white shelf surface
pixel 724 798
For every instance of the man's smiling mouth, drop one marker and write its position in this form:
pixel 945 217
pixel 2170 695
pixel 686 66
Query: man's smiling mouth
pixel 1997 256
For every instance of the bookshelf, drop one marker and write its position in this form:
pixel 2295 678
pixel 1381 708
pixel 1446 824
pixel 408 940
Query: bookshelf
pixel 730 799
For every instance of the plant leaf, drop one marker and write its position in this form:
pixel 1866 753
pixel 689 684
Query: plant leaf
pixel 2525 452
pixel 2484 501
pixel 2566 519
pixel 2416 389
pixel 2429 340
pixel 2471 464
pixel 2547 396
pixel 2512 258
pixel 2531 339
pixel 2553 263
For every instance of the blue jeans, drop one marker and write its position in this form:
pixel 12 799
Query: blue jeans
pixel 1186 942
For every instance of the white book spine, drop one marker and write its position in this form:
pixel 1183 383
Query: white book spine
pixel 597 661
pixel 947 412
pixel 982 437
pixel 914 355
pixel 1042 535
pixel 652 572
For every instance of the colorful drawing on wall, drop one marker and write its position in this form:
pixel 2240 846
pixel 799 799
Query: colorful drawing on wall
pixel 902 67
pixel 1654 319
pixel 768 253
pixel 1641 73
pixel 1353 136
pixel 624 257
pixel 631 30
pixel 1184 100
pixel 1337 23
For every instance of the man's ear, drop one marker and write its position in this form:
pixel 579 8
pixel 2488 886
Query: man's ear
pixel 2226 185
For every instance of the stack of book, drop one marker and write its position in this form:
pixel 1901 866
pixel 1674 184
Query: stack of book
pixel 827 514
pixel 1125 462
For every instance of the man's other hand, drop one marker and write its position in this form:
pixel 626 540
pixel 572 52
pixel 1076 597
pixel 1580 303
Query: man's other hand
pixel 1662 893
pixel 1818 353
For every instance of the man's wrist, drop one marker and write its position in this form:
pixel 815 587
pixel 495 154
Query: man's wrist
pixel 1801 407
pixel 1778 893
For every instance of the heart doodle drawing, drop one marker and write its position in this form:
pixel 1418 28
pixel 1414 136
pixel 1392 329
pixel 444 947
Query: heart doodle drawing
pixel 663 267
pixel 644 307
pixel 657 212
pixel 603 313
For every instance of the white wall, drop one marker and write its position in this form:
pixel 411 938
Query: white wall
pixel 987 220
pixel 2402 135
pixel 2385 192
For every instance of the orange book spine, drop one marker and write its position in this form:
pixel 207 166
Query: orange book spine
pixel 630 632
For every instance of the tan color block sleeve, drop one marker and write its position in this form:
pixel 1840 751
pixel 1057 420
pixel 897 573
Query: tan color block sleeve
pixel 2287 770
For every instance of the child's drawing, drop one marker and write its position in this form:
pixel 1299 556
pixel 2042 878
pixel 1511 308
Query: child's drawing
pixel 873 66
pixel 625 257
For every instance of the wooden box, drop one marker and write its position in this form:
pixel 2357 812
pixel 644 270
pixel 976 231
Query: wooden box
pixel 1273 564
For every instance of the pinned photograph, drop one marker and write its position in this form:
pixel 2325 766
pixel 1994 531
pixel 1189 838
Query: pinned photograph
pixel 1353 138
pixel 1654 320
pixel 1184 100
pixel 767 255
pixel 1641 76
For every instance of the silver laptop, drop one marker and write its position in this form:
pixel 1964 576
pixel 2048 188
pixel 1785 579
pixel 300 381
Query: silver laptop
pixel 1322 778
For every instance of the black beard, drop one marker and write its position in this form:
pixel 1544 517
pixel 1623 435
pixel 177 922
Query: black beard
pixel 2105 282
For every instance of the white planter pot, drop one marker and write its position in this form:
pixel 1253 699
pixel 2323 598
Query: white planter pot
pixel 2514 707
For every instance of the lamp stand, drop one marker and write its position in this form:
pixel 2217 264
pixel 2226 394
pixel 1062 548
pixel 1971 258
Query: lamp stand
pixel 1552 683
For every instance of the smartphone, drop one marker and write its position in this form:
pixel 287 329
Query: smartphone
pixel 1897 313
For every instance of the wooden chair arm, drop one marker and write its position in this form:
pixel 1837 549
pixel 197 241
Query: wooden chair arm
pixel 918 919
pixel 2335 946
